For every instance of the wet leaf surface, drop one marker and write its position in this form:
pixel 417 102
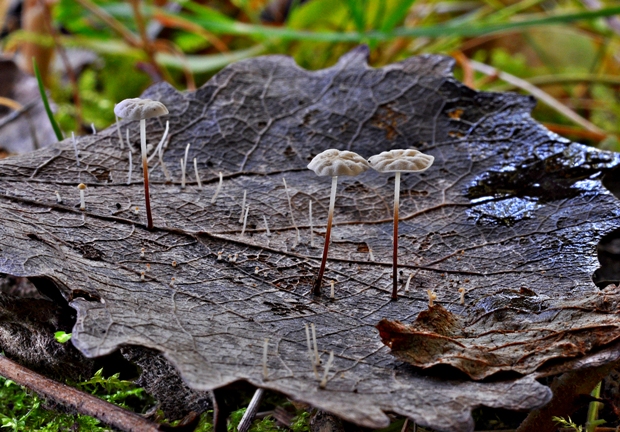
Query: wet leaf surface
pixel 509 212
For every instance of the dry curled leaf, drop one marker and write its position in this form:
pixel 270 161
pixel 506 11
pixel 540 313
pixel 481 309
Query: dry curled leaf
pixel 508 211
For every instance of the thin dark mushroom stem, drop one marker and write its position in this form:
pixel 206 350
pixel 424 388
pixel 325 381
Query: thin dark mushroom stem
pixel 145 170
pixel 395 254
pixel 332 201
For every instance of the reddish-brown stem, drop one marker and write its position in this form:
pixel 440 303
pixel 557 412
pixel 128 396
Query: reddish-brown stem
pixel 145 171
pixel 395 257
pixel 147 197
pixel 316 290
pixel 395 252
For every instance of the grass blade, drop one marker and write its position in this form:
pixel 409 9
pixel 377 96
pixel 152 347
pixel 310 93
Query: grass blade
pixel 46 103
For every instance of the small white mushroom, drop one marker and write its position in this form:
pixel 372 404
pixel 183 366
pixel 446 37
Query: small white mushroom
pixel 82 189
pixel 398 161
pixel 431 298
pixel 334 163
pixel 331 292
pixel 266 226
pixel 141 109
pixel 462 297
pixel 58 197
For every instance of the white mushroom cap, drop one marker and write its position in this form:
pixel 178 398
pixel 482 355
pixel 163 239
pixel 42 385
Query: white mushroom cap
pixel 138 109
pixel 334 163
pixel 401 161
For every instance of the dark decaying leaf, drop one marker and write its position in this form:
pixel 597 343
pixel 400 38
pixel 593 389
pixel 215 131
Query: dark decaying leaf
pixel 510 212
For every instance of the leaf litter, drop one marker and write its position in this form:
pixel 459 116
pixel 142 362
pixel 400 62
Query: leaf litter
pixel 509 213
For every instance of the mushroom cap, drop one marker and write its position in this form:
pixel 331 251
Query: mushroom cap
pixel 334 162
pixel 138 109
pixel 409 160
pixel 81 186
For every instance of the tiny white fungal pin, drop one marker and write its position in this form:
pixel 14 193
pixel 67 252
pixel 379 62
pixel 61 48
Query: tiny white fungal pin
pixel 174 263
pixel 77 155
pixel 328 366
pixel 197 175
pixel 58 197
pixel 462 292
pixel 172 280
pixel 127 137
pixel 142 250
pixel 217 191
pixel 142 276
pixel 408 281
pixel 130 168
pixel 311 227
pixel 290 206
pixel 242 205
pixel 256 270
pixel 266 226
pixel 310 354
pixel 265 350
pixel 245 220
pixel 219 255
pixel 332 290
pixel 370 254
pixel 118 130
pixel 182 173
pixel 317 361
pixel 136 210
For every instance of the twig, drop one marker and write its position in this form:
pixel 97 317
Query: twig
pixel 544 97
pixel 250 412
pixel 81 402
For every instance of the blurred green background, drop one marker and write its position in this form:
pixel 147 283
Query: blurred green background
pixel 564 52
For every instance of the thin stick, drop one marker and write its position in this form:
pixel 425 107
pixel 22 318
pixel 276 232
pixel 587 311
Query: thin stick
pixel 130 168
pixel 160 145
pixel 395 253
pixel 145 170
pixel 245 219
pixel 77 156
pixel 311 227
pixel 332 200
pixel 290 206
pixel 217 191
pixel 265 350
pixel 92 126
pixel 197 174
pixel 79 401
pixel 317 361
pixel 182 173
pixel 250 412
pixel 118 130
pixel 544 97
pixel 266 226
pixel 163 165
pixel 328 366
pixel 245 192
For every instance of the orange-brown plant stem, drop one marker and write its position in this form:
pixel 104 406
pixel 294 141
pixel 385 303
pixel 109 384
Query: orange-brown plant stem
pixel 332 201
pixel 83 403
pixel 145 170
pixel 395 253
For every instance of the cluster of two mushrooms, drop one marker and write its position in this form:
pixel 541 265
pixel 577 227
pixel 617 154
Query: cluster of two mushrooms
pixel 336 163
